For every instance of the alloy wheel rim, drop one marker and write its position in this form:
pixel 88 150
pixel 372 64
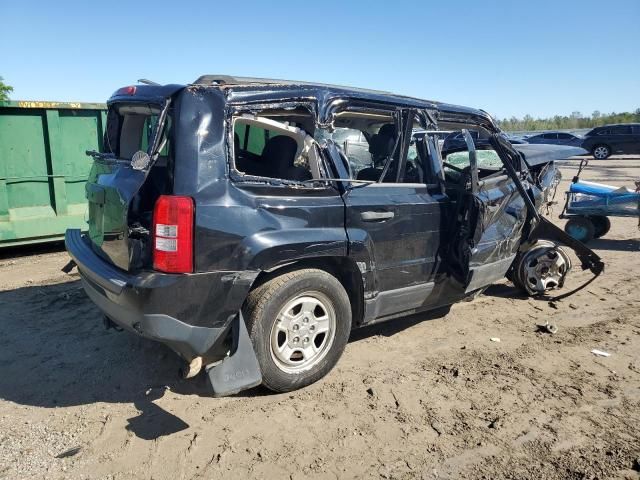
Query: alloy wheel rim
pixel 303 332
pixel 543 267
pixel 546 271
pixel 600 152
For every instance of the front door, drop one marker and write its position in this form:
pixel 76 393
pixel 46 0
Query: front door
pixel 489 217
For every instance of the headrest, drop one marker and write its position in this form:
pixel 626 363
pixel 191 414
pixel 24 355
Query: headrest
pixel 280 151
pixel 381 144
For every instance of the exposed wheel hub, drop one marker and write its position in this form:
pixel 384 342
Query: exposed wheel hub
pixel 543 267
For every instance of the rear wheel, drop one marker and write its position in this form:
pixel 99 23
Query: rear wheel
pixel 580 228
pixel 601 152
pixel 299 324
pixel 601 225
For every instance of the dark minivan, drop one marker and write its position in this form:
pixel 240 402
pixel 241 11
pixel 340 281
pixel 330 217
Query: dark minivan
pixel 611 139
pixel 226 220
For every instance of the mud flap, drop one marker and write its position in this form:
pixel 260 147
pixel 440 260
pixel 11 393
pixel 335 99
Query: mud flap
pixel 240 370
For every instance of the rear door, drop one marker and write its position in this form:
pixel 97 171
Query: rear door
pixel 551 138
pixel 394 230
pixel 566 139
pixel 624 138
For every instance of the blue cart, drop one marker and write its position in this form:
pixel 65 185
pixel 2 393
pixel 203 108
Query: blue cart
pixel 589 206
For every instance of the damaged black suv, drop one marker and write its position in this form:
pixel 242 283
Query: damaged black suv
pixel 231 220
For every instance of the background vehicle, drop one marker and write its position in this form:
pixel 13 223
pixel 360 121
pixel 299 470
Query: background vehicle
pixel 556 138
pixel 611 139
pixel 456 140
pixel 226 222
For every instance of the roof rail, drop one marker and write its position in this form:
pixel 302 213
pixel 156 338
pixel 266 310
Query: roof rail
pixel 215 79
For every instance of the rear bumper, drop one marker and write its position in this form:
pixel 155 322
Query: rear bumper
pixel 189 313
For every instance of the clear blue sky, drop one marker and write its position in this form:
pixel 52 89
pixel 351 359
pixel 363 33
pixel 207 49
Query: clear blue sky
pixel 507 57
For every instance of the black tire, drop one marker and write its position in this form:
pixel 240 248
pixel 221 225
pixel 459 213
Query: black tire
pixel 601 225
pixel 265 303
pixel 580 228
pixel 601 152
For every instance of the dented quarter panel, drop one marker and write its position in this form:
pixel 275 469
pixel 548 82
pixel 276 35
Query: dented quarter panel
pixel 266 227
pixel 240 225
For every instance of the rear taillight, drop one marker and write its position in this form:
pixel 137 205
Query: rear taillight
pixel 173 234
pixel 131 90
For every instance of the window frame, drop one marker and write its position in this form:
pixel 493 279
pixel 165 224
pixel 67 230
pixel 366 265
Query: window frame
pixel 317 165
pixel 401 116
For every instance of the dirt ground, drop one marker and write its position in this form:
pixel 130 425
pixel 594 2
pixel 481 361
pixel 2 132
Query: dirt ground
pixel 428 396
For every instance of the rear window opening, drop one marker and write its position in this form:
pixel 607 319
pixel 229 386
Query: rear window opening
pixel 132 128
pixel 134 169
pixel 276 144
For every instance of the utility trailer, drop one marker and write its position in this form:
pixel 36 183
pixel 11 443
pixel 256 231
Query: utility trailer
pixel 589 205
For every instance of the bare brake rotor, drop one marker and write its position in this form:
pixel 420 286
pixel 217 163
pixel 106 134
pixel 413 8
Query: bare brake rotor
pixel 541 268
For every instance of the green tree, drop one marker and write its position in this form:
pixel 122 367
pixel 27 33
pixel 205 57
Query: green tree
pixel 4 90
pixel 563 122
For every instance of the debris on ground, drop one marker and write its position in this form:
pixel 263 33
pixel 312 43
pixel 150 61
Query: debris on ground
pixel 69 453
pixel 548 328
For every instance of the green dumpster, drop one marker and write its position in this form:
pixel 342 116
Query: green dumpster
pixel 43 167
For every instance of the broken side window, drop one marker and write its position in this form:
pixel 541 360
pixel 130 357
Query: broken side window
pixel 275 145
pixel 355 146
pixel 371 143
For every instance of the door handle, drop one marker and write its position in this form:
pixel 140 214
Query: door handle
pixel 376 216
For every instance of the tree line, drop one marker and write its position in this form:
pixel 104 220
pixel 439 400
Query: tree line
pixel 5 90
pixel 562 122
